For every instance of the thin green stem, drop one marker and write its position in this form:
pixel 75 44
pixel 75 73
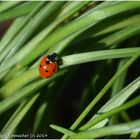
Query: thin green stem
pixel 17 117
pixel 119 129
pixel 102 92
pixel 7 5
pixel 127 105
pixel 62 130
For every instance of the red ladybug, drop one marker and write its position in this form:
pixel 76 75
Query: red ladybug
pixel 48 66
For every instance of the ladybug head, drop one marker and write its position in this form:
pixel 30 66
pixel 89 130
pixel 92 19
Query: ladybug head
pixel 53 58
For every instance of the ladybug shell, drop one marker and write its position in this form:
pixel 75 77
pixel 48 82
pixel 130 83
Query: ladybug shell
pixel 47 70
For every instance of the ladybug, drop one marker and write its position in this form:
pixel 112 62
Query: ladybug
pixel 48 66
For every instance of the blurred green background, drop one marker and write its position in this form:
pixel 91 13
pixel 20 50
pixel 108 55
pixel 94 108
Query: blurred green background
pixel 94 94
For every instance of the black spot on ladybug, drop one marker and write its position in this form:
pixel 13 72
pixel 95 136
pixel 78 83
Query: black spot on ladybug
pixel 40 66
pixel 47 77
pixel 47 71
pixel 47 62
pixel 53 70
